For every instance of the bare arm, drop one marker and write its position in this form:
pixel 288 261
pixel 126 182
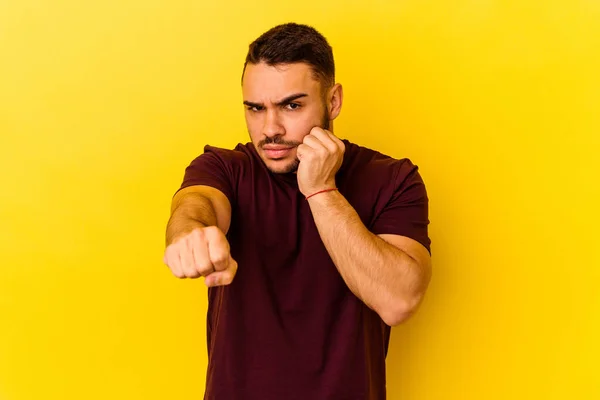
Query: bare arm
pixel 195 238
pixel 197 207
pixel 389 273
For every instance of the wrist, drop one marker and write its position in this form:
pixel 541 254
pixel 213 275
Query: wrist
pixel 324 199
pixel 180 229
pixel 320 192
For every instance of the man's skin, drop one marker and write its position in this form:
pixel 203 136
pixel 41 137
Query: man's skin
pixel 286 110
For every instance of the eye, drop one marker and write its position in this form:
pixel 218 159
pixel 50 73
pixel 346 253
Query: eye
pixel 255 108
pixel 293 106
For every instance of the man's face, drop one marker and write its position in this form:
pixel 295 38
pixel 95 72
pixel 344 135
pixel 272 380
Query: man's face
pixel 283 103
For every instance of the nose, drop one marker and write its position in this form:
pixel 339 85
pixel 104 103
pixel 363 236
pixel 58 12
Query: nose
pixel 272 125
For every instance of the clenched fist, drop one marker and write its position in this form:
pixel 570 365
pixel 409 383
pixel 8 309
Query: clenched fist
pixel 321 155
pixel 202 252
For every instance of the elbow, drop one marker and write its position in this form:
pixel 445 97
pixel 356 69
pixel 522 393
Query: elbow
pixel 400 307
pixel 401 303
pixel 400 310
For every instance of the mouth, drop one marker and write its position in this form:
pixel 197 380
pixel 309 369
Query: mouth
pixel 277 152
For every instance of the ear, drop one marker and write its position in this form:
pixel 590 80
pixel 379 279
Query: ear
pixel 335 97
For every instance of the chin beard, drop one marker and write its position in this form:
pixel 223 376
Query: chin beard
pixel 288 169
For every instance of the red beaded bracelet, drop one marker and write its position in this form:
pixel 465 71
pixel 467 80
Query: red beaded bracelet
pixel 321 191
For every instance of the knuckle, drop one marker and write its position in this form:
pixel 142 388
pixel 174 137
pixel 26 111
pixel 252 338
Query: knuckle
pixel 187 269
pixel 211 230
pixel 192 273
pixel 219 257
pixel 200 260
pixel 204 268
pixel 172 248
pixel 177 273
pixel 223 245
pixel 186 256
pixel 196 235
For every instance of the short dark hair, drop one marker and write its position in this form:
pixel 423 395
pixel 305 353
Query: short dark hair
pixel 293 43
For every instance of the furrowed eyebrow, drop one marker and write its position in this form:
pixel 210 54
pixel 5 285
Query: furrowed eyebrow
pixel 283 102
pixel 251 104
pixel 291 98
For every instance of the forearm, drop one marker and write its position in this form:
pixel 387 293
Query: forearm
pixel 385 278
pixel 191 212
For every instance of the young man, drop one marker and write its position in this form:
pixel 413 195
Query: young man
pixel 312 246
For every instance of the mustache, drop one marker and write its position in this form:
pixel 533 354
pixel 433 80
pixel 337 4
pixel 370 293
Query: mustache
pixel 278 140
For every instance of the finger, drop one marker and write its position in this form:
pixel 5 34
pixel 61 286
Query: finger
pixel 196 247
pixel 326 138
pixel 173 261
pixel 218 248
pixel 199 245
pixel 302 150
pixel 222 278
pixel 339 143
pixel 313 143
pixel 202 263
pixel 316 130
pixel 190 269
pixel 320 142
pixel 187 258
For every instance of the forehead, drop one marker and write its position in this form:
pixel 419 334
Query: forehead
pixel 277 81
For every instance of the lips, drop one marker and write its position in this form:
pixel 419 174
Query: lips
pixel 275 152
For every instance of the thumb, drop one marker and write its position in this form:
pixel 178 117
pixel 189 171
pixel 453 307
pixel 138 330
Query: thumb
pixel 300 151
pixel 218 248
pixel 223 277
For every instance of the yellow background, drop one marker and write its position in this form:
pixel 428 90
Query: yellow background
pixel 103 104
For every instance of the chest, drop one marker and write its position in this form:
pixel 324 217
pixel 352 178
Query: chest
pixel 273 217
